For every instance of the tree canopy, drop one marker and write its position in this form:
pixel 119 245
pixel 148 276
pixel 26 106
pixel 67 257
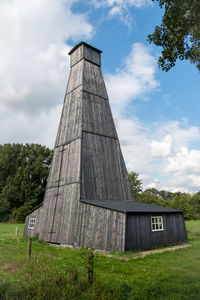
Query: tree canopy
pixel 136 183
pixel 189 204
pixel 23 176
pixel 179 33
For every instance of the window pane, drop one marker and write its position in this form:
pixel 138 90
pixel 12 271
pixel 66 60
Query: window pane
pixel 32 222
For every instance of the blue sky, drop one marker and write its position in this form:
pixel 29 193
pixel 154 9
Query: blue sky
pixel 156 113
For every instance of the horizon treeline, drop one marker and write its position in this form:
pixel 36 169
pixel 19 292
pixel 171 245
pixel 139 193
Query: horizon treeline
pixel 24 169
pixel 190 204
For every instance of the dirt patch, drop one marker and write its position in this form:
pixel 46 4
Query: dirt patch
pixel 142 254
pixel 50 255
pixel 10 268
pixel 134 255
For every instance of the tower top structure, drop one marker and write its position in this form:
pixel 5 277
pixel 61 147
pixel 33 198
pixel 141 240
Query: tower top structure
pixel 85 51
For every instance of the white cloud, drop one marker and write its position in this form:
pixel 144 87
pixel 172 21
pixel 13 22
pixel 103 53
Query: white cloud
pixel 163 148
pixel 154 151
pixel 185 160
pixel 134 80
pixel 121 4
pixel 121 8
pixel 34 64
pixel 160 155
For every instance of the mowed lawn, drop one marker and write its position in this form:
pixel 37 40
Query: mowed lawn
pixel 61 273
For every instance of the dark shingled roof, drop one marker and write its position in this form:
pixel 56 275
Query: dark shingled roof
pixel 131 206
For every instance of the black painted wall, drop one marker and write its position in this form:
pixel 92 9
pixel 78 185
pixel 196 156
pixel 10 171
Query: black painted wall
pixel 139 235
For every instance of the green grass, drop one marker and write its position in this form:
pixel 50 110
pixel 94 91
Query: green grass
pixel 61 273
pixel 8 230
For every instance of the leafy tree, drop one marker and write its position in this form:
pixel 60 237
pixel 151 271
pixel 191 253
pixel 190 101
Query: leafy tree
pixel 166 195
pixel 23 176
pixel 150 198
pixel 182 201
pixel 190 205
pixel 136 184
pixel 195 202
pixel 179 32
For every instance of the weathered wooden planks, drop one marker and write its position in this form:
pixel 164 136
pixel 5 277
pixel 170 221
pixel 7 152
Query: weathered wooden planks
pixel 87 52
pixel 97 116
pixel 141 237
pixel 38 214
pixel 93 80
pixel 71 120
pixel 103 172
pixel 88 165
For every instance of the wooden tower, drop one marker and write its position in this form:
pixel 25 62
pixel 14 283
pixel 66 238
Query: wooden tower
pixel 88 194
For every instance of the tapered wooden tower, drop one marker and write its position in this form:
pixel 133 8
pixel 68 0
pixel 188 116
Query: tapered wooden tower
pixel 88 194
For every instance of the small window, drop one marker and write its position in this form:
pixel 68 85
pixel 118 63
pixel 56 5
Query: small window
pixel 157 223
pixel 32 222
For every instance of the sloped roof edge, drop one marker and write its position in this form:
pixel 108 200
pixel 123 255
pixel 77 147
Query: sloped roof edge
pixel 34 209
pixel 83 43
pixel 129 206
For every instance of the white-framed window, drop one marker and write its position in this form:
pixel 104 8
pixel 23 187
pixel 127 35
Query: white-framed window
pixel 157 223
pixel 32 222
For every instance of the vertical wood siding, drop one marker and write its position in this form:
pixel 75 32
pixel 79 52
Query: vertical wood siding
pixel 88 165
pixel 93 81
pixel 97 117
pixel 38 214
pixel 86 53
pixel 93 227
pixel 140 236
pixel 71 119
pixel 103 173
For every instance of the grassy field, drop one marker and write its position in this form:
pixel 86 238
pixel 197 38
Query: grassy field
pixel 61 273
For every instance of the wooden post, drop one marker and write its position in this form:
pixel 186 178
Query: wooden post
pixel 90 257
pixel 29 248
pixel 16 231
pixel 195 229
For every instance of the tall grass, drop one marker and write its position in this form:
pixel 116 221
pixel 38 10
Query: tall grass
pixel 56 273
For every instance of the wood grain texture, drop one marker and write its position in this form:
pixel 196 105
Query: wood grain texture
pixel 87 53
pixel 93 81
pixel 141 237
pixel 70 126
pixel 102 228
pixel 104 175
pixel 97 117
pixel 75 77
pixel 38 214
pixel 88 165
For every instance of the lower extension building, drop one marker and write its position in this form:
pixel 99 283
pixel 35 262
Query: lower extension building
pixel 88 200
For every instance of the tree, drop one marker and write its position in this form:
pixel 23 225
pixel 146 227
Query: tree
pixel 182 201
pixel 195 202
pixel 23 176
pixel 136 184
pixel 179 33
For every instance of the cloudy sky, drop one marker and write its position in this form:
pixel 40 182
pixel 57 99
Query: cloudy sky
pixel 156 113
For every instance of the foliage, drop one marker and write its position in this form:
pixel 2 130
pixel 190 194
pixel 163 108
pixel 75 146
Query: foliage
pixel 190 204
pixel 136 183
pixel 179 32
pixel 23 176
pixel 61 273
